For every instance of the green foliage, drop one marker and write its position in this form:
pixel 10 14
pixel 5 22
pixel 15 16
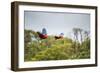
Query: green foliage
pixel 51 49
pixel 85 49
pixel 27 36
pixel 55 52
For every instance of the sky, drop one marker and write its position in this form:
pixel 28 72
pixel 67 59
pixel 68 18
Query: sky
pixel 56 22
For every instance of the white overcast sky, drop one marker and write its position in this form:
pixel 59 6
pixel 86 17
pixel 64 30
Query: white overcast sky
pixel 56 23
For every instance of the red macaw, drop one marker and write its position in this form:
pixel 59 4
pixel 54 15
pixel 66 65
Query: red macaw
pixel 42 36
pixel 59 37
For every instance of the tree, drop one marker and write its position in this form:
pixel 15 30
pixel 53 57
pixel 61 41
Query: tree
pixel 77 33
pixel 75 30
pixel 27 36
pixel 27 39
pixel 81 37
pixel 86 34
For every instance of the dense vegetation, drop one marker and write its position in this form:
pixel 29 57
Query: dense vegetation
pixel 37 49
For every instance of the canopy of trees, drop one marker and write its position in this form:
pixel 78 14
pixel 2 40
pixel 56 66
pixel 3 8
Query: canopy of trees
pixel 37 49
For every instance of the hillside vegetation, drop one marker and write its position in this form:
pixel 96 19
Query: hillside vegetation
pixel 37 49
